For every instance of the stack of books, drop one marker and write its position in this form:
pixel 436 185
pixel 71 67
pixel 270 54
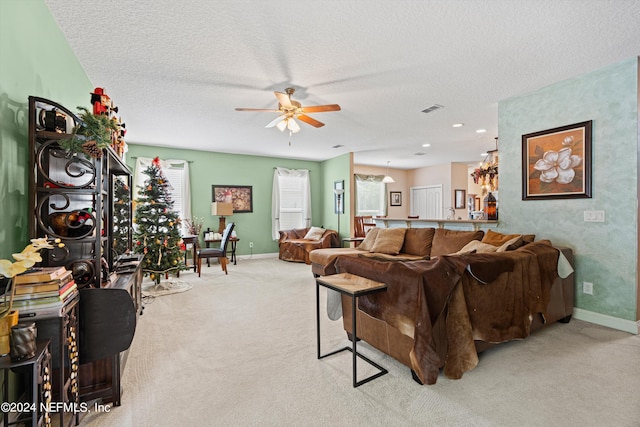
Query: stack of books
pixel 43 291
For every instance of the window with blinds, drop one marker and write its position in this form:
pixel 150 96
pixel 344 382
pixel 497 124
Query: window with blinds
pixel 292 202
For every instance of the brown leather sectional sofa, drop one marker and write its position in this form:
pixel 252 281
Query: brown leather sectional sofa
pixel 469 321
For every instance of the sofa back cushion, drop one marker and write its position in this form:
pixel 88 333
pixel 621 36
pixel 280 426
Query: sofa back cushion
pixel 418 241
pixel 450 241
pixel 389 241
pixel 369 239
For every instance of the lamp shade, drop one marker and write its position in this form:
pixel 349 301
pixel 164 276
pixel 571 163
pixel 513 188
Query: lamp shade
pixel 221 209
pixel 388 180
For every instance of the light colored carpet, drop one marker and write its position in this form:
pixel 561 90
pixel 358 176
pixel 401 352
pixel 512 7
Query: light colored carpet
pixel 240 350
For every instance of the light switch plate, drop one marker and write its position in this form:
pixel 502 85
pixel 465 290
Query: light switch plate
pixel 593 216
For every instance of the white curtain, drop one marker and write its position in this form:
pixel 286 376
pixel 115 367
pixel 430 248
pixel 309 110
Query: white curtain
pixel 177 173
pixel 291 200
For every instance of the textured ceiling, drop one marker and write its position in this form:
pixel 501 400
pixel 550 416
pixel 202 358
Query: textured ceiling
pixel 177 69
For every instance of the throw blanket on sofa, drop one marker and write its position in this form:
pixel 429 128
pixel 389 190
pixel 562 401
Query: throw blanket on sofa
pixel 497 296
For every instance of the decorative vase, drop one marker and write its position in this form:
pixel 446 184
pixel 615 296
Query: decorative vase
pixel 23 341
pixel 6 323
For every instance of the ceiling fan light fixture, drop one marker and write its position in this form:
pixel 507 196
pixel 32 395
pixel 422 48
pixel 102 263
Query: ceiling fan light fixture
pixel 292 125
pixel 282 125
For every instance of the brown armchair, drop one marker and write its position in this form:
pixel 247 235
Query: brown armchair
pixel 294 247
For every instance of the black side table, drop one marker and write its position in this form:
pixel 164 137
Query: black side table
pixel 354 286
pixel 38 368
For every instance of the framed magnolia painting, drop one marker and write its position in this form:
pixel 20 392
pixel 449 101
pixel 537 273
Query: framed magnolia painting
pixel 556 163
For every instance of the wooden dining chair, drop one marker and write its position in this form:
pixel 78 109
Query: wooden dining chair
pixel 220 253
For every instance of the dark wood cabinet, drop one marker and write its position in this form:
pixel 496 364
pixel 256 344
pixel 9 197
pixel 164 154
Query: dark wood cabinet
pixel 85 201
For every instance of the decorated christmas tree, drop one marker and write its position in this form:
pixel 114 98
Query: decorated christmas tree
pixel 121 213
pixel 157 234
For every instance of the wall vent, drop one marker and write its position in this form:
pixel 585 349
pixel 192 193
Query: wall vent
pixel 434 107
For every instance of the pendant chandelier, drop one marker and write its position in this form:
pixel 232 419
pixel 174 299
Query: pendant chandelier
pixel 387 178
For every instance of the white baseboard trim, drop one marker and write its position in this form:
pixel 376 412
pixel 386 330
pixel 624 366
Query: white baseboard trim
pixel 630 326
pixel 257 256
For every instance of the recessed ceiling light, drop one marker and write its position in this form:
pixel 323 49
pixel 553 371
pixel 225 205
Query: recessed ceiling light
pixel 481 131
pixel 457 125
pixel 426 145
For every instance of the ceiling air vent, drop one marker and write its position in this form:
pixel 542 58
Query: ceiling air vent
pixel 419 154
pixel 434 107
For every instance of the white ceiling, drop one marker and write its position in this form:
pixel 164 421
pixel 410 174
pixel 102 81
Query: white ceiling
pixel 177 69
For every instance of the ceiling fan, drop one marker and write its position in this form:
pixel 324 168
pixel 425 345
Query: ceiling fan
pixel 290 110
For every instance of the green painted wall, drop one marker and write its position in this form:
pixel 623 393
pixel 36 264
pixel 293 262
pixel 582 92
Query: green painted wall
pixel 606 253
pixel 35 59
pixel 209 168
pixel 336 169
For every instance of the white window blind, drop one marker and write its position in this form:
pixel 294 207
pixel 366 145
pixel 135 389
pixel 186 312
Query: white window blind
pixel 291 204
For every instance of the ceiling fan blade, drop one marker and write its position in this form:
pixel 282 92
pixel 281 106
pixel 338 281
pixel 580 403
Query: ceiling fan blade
pixel 321 108
pixel 283 99
pixel 276 121
pixel 258 109
pixel 309 120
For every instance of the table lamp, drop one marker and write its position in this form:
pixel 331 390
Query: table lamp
pixel 222 210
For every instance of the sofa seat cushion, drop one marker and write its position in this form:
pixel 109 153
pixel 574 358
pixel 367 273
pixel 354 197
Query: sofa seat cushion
pixel 447 242
pixel 323 260
pixel 388 257
pixel 327 255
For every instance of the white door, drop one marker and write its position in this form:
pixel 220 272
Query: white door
pixel 426 202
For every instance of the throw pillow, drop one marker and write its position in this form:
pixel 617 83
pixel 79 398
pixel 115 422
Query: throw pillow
pixel 446 241
pixel 497 239
pixel 314 233
pixel 417 241
pixel 477 247
pixel 389 241
pixel 511 245
pixel 369 239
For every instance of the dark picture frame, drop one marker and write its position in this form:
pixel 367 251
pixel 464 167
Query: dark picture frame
pixel 395 198
pixel 556 163
pixel 459 199
pixel 338 200
pixel 240 195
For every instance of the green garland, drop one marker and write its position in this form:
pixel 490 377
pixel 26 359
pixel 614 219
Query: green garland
pixel 92 127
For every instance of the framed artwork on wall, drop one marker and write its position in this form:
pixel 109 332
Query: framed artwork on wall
pixel 395 198
pixel 240 195
pixel 459 198
pixel 556 163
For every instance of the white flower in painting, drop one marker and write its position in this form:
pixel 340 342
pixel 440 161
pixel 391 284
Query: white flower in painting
pixel 557 166
pixel 567 141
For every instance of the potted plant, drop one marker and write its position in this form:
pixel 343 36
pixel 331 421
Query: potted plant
pixel 26 259
pixel 91 135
